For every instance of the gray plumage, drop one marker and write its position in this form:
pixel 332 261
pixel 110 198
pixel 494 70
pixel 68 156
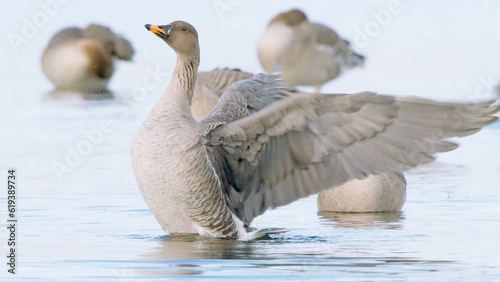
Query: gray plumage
pixel 376 193
pixel 384 192
pixel 210 86
pixel 215 176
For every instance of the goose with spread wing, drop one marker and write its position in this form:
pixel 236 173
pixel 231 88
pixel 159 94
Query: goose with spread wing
pixel 263 146
pixel 384 192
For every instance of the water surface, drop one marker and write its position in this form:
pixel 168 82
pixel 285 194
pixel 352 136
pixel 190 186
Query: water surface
pixel 93 222
pixel 82 217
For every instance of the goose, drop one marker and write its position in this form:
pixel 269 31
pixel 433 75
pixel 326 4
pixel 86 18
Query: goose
pixel 264 146
pixel 82 59
pixel 306 53
pixel 385 192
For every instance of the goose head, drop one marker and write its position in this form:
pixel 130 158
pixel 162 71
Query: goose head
pixel 122 48
pixel 179 35
pixel 290 18
pixel 115 45
pixel 100 33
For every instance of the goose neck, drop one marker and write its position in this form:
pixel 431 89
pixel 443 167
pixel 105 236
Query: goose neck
pixel 180 90
pixel 184 75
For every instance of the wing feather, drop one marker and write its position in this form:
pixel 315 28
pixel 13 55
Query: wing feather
pixel 299 145
pixel 271 145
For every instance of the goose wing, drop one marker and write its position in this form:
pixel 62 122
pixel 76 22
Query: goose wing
pixel 210 86
pixel 299 145
pixel 245 97
pixel 330 40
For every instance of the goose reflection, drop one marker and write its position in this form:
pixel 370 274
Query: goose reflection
pixel 179 254
pixel 89 95
pixel 197 247
pixel 379 220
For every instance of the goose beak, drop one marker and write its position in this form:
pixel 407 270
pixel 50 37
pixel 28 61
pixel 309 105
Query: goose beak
pixel 158 30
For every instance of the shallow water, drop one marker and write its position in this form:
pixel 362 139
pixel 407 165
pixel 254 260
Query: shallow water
pixel 93 223
pixel 82 217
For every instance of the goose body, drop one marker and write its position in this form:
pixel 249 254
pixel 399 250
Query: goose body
pixel 385 192
pixel 264 145
pixel 82 59
pixel 307 53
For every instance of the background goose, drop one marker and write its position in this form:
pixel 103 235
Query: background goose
pixel 249 154
pixel 82 59
pixel 376 193
pixel 307 53
pixel 385 192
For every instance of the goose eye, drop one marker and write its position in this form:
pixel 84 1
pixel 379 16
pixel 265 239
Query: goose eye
pixel 183 28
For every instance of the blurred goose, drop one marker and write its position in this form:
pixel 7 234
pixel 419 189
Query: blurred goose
pixel 263 146
pixel 307 53
pixel 82 59
pixel 376 193
pixel 385 192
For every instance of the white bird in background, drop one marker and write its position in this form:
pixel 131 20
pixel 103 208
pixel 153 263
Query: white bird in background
pixel 264 146
pixel 82 59
pixel 306 53
pixel 376 193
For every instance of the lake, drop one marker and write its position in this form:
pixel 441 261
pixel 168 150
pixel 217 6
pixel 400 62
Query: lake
pixel 80 215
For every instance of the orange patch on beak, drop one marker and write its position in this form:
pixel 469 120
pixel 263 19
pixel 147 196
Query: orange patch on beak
pixel 157 30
